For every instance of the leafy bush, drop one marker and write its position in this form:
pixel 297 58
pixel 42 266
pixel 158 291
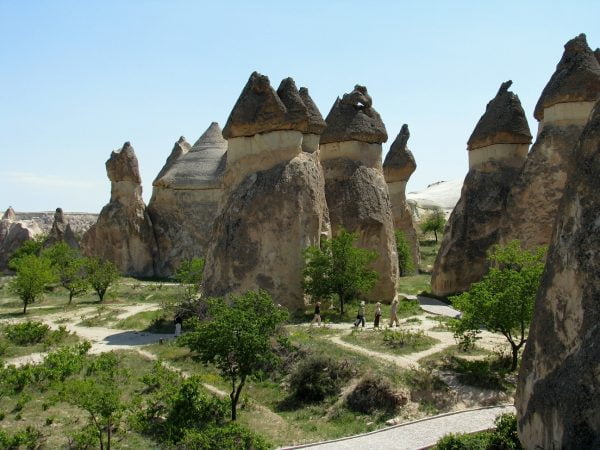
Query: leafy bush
pixel 27 438
pixel 229 437
pixel 318 377
pixel 26 333
pixel 405 262
pixel 63 363
pixel 403 338
pixel 504 437
pixel 374 393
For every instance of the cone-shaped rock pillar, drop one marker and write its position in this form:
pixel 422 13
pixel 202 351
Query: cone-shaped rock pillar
pixel 274 199
pixel 497 151
pixel 355 188
pixel 398 166
pixel 61 231
pixel 562 111
pixel 558 390
pixel 185 199
pixel 123 233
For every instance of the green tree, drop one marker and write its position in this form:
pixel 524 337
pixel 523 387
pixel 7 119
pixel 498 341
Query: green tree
pixel 189 273
pixel 70 268
pixel 101 275
pixel 405 262
pixel 32 247
pixel 434 223
pixel 237 337
pixel 502 302
pixel 34 274
pixel 338 267
pixel 100 394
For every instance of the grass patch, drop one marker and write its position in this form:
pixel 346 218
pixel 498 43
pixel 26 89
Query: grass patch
pixel 414 284
pixel 103 317
pixel 429 250
pixel 149 321
pixel 397 342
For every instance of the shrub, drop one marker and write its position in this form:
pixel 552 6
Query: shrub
pixel 26 333
pixel 504 437
pixel 318 377
pixel 477 441
pixel 374 393
pixel 229 437
pixel 27 438
pixel 403 338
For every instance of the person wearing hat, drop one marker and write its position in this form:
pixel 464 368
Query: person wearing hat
pixel 360 318
pixel 377 315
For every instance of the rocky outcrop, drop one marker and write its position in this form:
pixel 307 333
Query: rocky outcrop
pixel 558 389
pixel 563 110
pixel 123 233
pixel 61 231
pixel 274 202
pixel 185 199
pixel 355 187
pixel 497 151
pixel 398 166
pixel 13 233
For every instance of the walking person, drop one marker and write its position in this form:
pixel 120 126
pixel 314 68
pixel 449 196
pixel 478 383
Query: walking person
pixel 317 316
pixel 377 315
pixel 360 318
pixel 178 323
pixel 394 313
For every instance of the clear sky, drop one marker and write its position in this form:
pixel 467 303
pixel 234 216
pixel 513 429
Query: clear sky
pixel 79 78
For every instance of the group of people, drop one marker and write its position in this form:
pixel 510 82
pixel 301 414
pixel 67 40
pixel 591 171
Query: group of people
pixel 360 317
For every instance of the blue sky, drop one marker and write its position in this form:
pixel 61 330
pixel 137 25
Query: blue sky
pixel 79 78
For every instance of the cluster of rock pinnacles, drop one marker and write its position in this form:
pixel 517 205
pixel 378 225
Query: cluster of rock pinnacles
pixel 279 178
pixel 251 197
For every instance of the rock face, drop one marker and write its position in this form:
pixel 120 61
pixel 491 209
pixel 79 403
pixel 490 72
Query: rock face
pixel 123 233
pixel 563 110
pixel 61 231
pixel 398 166
pixel 185 199
pixel 13 233
pixel 558 389
pixel 274 202
pixel 497 151
pixel 355 187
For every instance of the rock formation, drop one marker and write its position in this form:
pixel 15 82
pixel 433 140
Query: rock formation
pixel 61 231
pixel 562 111
pixel 497 151
pixel 558 391
pixel 123 233
pixel 398 166
pixel 274 202
pixel 185 199
pixel 13 233
pixel 355 187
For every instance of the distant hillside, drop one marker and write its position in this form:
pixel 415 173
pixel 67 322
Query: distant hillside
pixel 80 221
pixel 442 194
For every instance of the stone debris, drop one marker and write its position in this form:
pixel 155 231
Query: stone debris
pixel 497 151
pixel 558 390
pixel 123 233
pixel 398 166
pixel 185 199
pixel 355 188
pixel 273 204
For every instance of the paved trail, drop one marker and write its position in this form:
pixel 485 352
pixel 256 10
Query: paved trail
pixel 419 434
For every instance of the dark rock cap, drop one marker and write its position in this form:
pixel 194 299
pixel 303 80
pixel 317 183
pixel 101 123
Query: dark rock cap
pixel 352 118
pixel 576 79
pixel 180 148
pixel 399 163
pixel 59 216
pixel 316 124
pixel 260 109
pixel 503 122
pixel 123 165
pixel 9 214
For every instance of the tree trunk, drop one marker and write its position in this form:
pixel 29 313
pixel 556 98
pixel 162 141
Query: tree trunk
pixel 235 398
pixel 70 297
pixel 108 436
pixel 515 357
pixel 435 234
pixel 25 307
pixel 341 303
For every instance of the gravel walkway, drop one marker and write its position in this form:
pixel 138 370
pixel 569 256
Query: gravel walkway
pixel 419 434
pixel 435 306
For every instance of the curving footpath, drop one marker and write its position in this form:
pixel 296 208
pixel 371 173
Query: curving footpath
pixel 419 434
